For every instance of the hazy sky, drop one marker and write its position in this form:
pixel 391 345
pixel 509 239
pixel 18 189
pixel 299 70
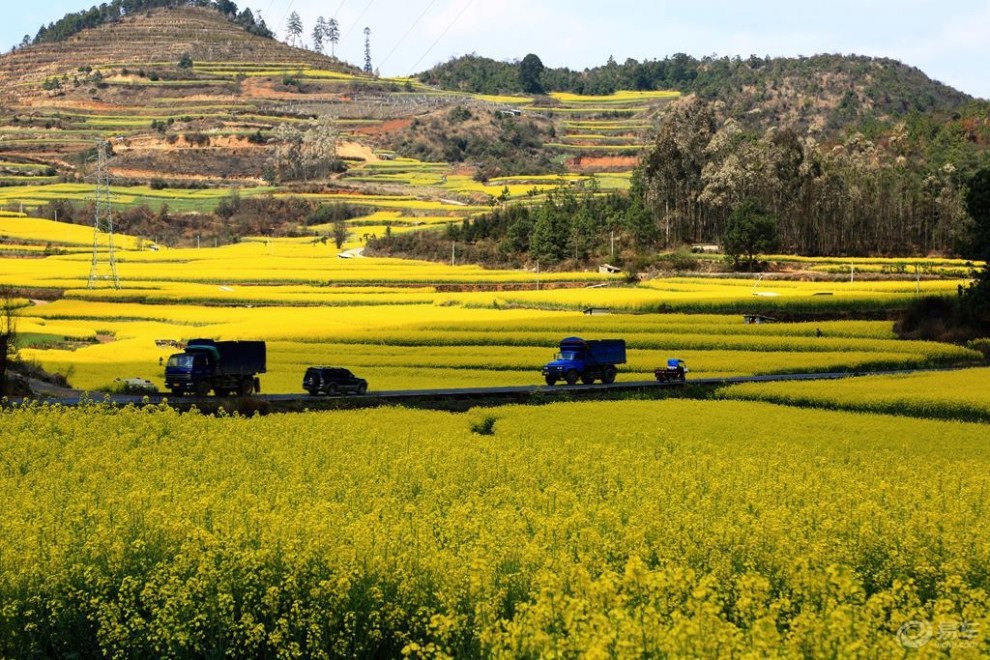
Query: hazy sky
pixel 947 39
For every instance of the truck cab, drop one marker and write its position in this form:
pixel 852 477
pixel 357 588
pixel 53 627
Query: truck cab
pixel 184 370
pixel 567 365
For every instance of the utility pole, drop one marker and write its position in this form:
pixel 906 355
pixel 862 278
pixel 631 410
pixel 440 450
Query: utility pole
pixel 103 221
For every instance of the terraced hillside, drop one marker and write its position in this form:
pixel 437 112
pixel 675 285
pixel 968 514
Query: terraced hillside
pixel 195 106
pixel 606 133
pixel 150 39
pixel 123 81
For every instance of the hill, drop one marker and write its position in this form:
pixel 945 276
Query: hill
pixel 824 93
pixel 189 97
pixel 275 136
pixel 148 39
pixel 186 94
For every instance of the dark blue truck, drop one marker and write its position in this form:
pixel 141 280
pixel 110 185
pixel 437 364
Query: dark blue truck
pixel 225 367
pixel 590 360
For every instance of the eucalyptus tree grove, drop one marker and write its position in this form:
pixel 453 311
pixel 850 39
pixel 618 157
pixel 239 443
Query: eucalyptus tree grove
pixel 849 196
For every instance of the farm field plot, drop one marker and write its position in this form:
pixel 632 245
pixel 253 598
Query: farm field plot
pixel 31 197
pixel 948 395
pixel 730 295
pixel 730 527
pixel 421 325
pixel 27 230
pixel 305 260
pixel 408 341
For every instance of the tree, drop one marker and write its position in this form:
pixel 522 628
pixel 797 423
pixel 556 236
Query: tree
pixel 8 332
pixel 319 31
pixel 672 172
pixel 978 206
pixel 637 219
pixel 339 232
pixel 319 148
pixel 749 231
pixel 226 7
pixel 294 27
pixel 299 155
pixel 286 160
pixel 551 226
pixel 530 72
pixel 975 299
pixel 367 50
pixel 332 35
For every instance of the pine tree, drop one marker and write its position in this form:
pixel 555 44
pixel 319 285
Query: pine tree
pixel 319 33
pixel 295 29
pixel 332 35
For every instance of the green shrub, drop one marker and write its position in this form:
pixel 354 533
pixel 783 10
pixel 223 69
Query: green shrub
pixel 484 427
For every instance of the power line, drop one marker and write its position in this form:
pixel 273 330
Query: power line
pixel 450 25
pixel 415 23
pixel 282 22
pixel 358 21
pixel 270 5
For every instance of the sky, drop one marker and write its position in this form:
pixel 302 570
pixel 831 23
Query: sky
pixel 949 40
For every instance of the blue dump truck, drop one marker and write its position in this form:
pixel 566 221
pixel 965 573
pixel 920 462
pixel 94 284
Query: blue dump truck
pixel 586 360
pixel 226 367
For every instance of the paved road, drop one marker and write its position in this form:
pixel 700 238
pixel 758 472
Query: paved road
pixel 480 394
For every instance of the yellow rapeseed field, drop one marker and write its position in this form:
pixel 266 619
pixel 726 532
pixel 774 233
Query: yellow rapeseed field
pixel 952 395
pixel 610 529
pixel 422 339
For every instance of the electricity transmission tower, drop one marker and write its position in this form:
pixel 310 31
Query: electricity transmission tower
pixel 103 221
pixel 367 50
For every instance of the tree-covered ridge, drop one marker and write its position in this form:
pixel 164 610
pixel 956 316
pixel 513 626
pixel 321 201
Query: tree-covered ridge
pixel 823 91
pixel 73 23
pixel 895 190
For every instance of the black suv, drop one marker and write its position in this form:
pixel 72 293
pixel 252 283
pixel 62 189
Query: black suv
pixel 333 381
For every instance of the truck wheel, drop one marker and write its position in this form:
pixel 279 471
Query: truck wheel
pixel 609 376
pixel 551 381
pixel 313 391
pixel 177 391
pixel 202 389
pixel 571 377
pixel 247 387
pixel 587 380
pixel 362 389
pixel 331 390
